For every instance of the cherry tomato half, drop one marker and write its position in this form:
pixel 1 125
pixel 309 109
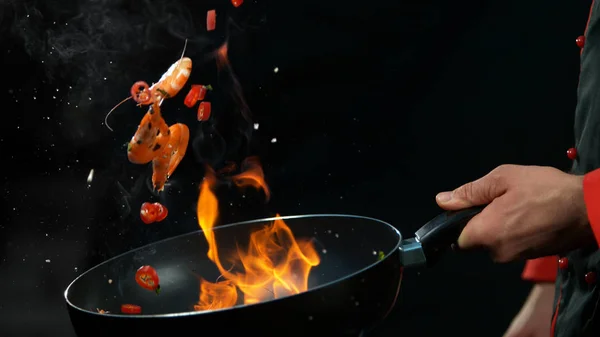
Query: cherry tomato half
pixel 237 3
pixel 161 212
pixel 211 20
pixel 140 92
pixel 147 278
pixel 148 213
pixel 131 309
pixel 204 111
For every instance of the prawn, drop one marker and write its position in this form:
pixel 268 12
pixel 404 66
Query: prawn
pixel 156 142
pixel 168 86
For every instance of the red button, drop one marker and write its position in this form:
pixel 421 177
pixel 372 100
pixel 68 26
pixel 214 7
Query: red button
pixel 590 277
pixel 580 41
pixel 563 263
pixel 572 153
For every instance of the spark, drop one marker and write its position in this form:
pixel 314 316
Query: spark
pixel 90 176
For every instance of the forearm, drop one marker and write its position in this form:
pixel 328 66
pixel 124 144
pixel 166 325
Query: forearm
pixel 545 269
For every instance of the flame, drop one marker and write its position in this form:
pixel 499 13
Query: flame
pixel 252 176
pixel 274 264
pixel 221 55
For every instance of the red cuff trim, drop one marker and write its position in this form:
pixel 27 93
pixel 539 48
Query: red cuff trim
pixel 591 196
pixel 543 269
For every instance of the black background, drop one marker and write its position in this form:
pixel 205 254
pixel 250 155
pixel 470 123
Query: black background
pixel 376 107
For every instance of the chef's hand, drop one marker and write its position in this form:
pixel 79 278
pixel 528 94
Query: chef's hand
pixel 533 211
pixel 534 319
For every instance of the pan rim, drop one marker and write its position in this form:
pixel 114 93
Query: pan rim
pixel 206 312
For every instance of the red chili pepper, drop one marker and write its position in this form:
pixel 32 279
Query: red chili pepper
pixel 237 3
pixel 211 20
pixel 204 111
pixel 161 213
pixel 148 213
pixel 131 309
pixel 203 89
pixel 197 93
pixel 193 96
pixel 147 278
pixel 140 92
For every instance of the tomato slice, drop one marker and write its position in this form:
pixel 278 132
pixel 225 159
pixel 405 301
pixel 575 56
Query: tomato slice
pixel 140 92
pixel 204 111
pixel 131 309
pixel 161 213
pixel 148 213
pixel 147 278
pixel 237 3
pixel 211 20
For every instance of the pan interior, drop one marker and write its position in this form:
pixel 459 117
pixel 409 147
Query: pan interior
pixel 346 245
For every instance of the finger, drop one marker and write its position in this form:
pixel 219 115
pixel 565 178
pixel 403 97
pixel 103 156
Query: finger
pixel 479 192
pixel 479 230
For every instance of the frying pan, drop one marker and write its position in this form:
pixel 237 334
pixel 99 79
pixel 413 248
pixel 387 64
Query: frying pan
pixel 349 292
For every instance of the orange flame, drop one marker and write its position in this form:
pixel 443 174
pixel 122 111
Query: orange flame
pixel 252 176
pixel 221 55
pixel 275 263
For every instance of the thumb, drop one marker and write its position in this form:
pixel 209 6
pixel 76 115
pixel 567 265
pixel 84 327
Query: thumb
pixel 475 193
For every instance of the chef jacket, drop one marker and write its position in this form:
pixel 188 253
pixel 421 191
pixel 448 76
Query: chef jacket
pixel 577 299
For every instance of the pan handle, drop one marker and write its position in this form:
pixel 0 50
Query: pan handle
pixel 441 232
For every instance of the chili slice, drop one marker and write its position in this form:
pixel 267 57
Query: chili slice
pixel 202 92
pixel 237 3
pixel 204 111
pixel 148 213
pixel 196 93
pixel 147 278
pixel 140 92
pixel 193 96
pixel 211 20
pixel 131 309
pixel 161 213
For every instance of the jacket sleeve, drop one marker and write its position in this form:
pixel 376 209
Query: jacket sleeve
pixel 540 270
pixel 591 195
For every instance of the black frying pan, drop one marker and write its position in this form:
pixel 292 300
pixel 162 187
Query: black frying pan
pixel 349 292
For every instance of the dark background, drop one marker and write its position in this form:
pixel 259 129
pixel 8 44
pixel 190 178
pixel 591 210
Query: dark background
pixel 376 107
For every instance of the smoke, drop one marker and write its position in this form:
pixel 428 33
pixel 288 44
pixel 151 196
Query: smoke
pixel 93 50
pixel 87 37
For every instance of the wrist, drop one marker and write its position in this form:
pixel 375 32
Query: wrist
pixel 579 202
